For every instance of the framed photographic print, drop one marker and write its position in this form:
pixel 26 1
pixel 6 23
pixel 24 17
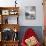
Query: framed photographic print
pixel 5 12
pixel 30 12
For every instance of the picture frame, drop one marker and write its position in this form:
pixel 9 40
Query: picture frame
pixel 30 12
pixel 5 12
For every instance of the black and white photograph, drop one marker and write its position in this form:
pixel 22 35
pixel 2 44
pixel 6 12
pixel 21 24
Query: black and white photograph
pixel 30 12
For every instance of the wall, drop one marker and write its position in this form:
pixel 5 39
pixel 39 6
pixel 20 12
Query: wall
pixel 22 21
pixel 39 13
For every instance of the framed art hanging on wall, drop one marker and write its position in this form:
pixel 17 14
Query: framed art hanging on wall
pixel 30 12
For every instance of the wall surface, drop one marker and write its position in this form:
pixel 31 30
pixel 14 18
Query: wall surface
pixel 39 13
pixel 22 4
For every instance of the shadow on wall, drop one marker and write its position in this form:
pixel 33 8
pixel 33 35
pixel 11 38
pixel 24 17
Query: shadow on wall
pixel 37 29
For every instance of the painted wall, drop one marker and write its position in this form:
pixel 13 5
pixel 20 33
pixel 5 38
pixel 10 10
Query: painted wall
pixel 22 21
pixel 39 13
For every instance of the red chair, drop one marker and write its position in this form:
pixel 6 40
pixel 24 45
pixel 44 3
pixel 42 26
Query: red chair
pixel 29 33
